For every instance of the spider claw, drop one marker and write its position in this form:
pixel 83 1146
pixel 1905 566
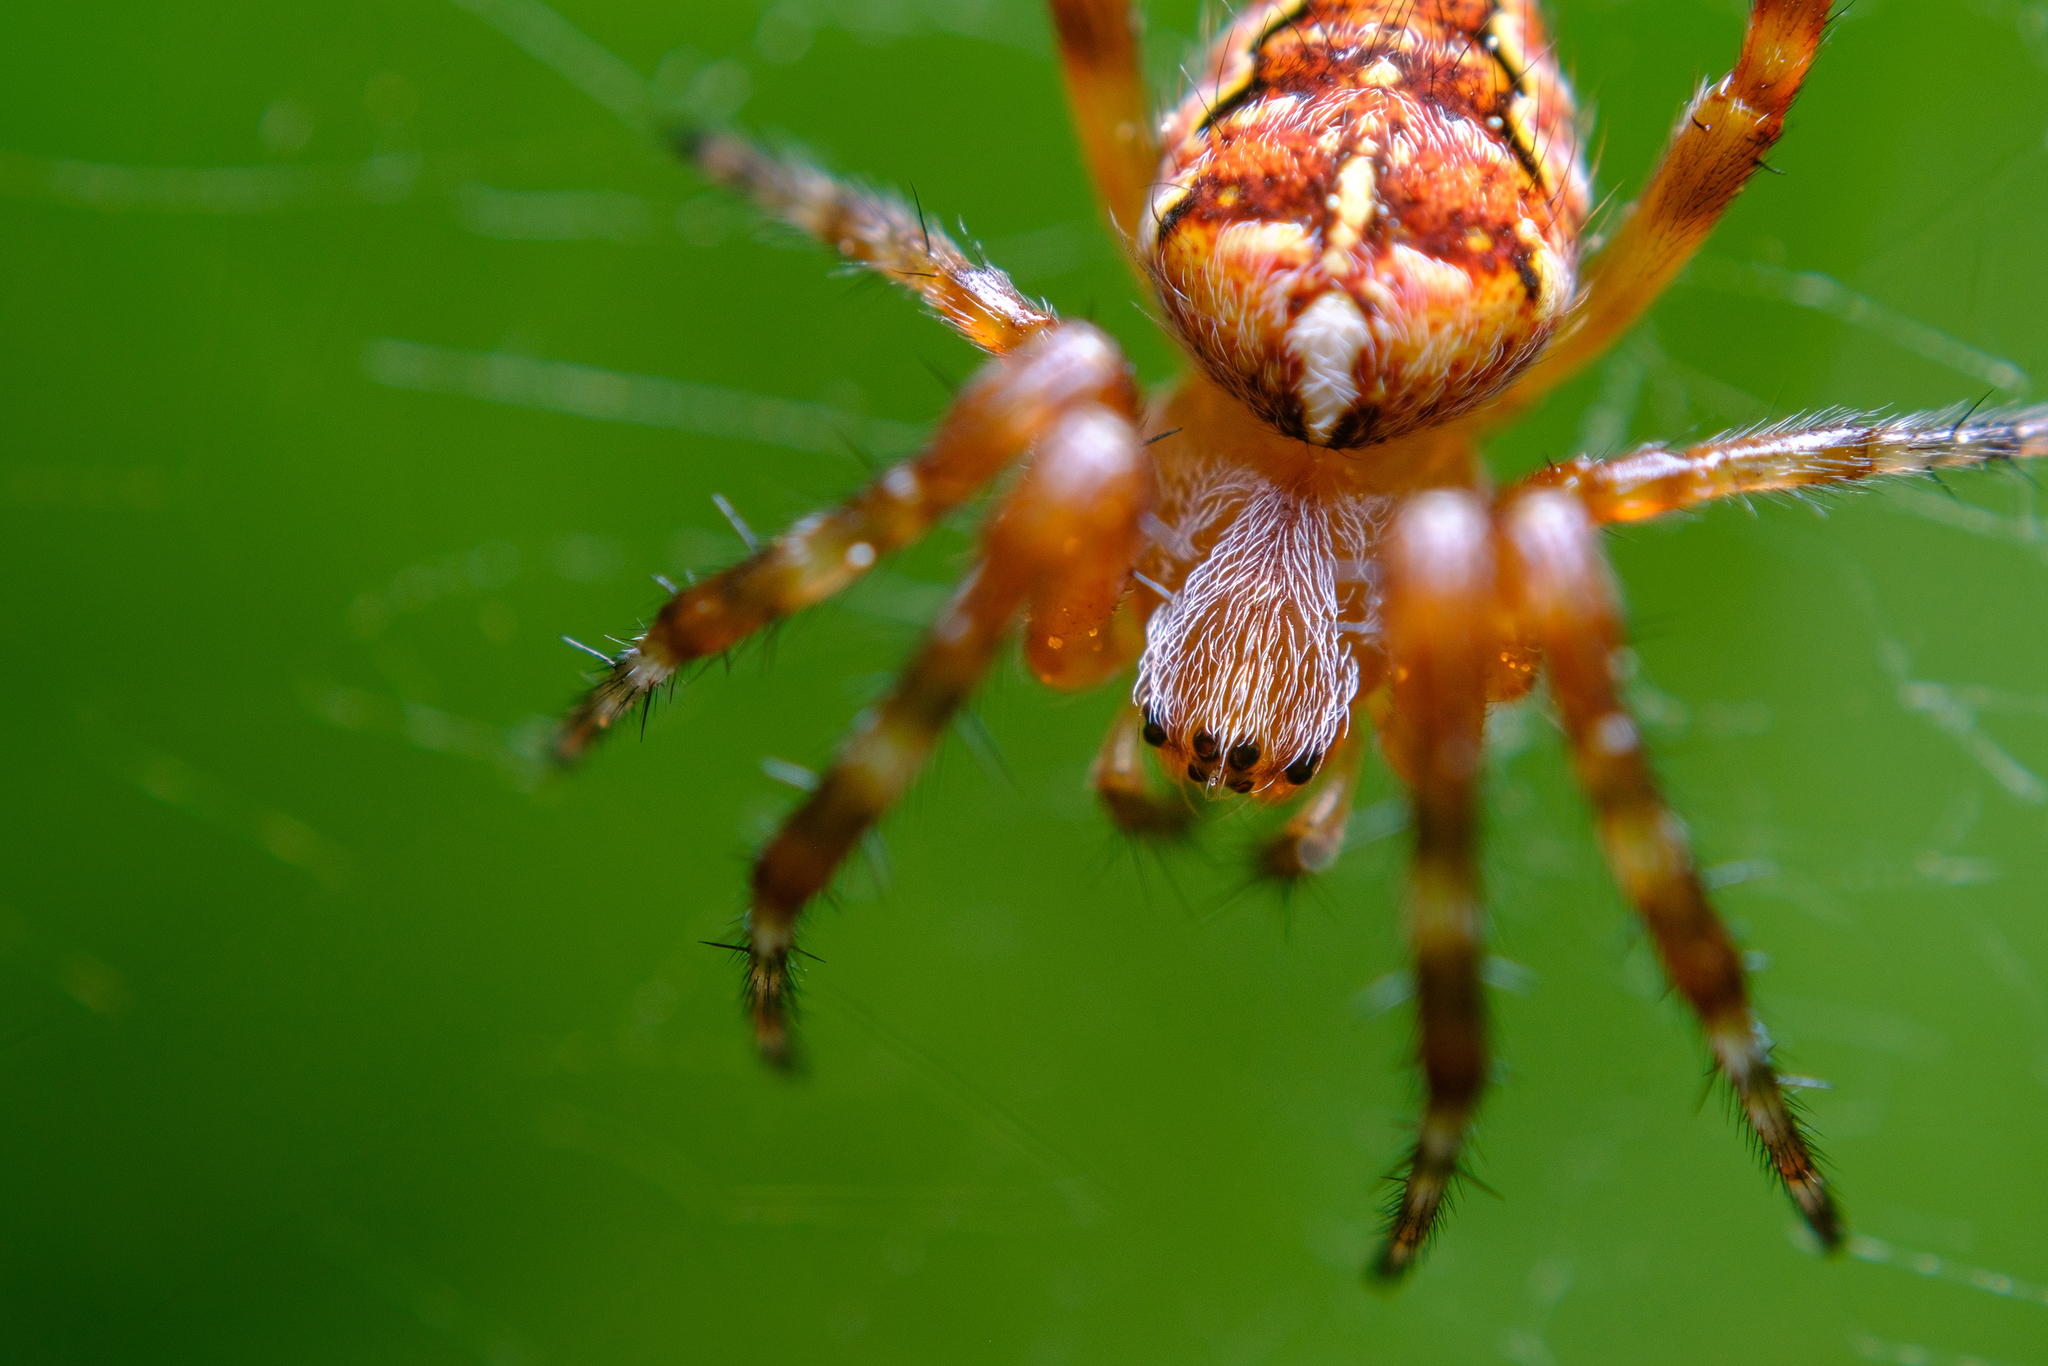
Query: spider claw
pixel 1423 1195
pixel 1391 1267
pixel 1817 1207
pixel 769 994
pixel 608 699
pixel 772 1041
pixel 1402 1246
pixel 1400 1250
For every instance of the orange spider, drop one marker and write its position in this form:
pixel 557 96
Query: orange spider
pixel 1362 224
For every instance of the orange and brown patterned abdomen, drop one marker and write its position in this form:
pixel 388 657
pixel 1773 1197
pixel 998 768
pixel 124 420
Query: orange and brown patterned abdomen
pixel 1368 215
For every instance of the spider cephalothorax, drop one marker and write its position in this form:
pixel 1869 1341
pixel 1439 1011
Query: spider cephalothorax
pixel 1361 224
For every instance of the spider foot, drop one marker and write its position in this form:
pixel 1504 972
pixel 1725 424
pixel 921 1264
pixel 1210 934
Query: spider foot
pixel 1145 815
pixel 1123 784
pixel 1423 1199
pixel 1790 1156
pixel 1817 1206
pixel 629 680
pixel 1294 854
pixel 1314 836
pixel 770 1000
pixel 1781 1139
pixel 1408 1231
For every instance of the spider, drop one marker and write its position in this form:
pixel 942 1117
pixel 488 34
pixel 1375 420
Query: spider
pixel 1362 223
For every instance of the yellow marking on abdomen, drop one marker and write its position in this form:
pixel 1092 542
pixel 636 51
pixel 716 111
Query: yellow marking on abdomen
pixel 1504 40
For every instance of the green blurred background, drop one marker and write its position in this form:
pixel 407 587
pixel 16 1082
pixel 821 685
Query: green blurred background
pixel 331 1030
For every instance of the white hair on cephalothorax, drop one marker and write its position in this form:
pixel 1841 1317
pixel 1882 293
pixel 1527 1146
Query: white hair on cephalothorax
pixel 1250 650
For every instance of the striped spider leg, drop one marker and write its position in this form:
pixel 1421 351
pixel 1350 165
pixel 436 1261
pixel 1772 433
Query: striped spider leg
pixel 1562 599
pixel 1717 145
pixel 1440 642
pixel 1846 449
pixel 823 554
pixel 1568 605
pixel 1101 59
pixel 1060 545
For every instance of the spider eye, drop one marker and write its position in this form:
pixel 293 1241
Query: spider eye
pixel 1304 768
pixel 1206 747
pixel 1198 774
pixel 1241 786
pixel 1154 733
pixel 1244 756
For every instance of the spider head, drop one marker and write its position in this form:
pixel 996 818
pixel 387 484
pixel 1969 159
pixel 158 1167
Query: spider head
pixel 1355 261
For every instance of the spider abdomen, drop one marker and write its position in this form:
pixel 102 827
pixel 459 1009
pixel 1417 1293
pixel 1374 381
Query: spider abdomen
pixel 1368 214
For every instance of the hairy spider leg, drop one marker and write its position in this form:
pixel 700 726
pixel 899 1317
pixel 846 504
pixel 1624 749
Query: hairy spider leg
pixel 1567 595
pixel 1068 531
pixel 1122 783
pixel 1716 147
pixel 877 230
pixel 1439 622
pixel 1101 57
pixel 1314 835
pixel 1656 479
pixel 1012 401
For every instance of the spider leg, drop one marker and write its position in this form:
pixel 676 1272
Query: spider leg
pixel 878 230
pixel 1069 530
pixel 1440 623
pixel 1100 56
pixel 1716 147
pixel 1080 636
pixel 1568 599
pixel 1657 479
pixel 1314 835
pixel 994 418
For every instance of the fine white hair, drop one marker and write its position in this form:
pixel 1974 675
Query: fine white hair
pixel 1250 650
